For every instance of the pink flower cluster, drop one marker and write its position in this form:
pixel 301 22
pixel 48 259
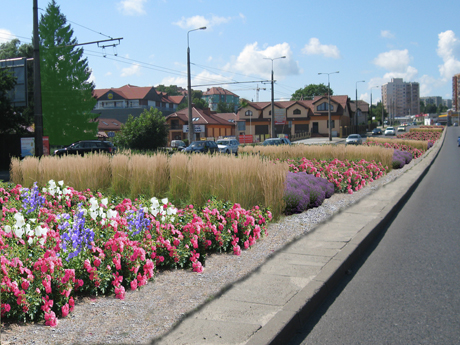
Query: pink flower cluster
pixel 347 176
pixel 416 153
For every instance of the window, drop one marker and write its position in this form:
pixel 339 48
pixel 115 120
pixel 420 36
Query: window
pixel 302 128
pixel 297 112
pixel 248 113
pixel 332 124
pixel 323 107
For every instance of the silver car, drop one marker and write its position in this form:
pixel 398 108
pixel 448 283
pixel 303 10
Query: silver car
pixel 354 139
pixel 228 146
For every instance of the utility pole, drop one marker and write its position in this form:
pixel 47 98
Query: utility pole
pixel 38 116
pixel 273 134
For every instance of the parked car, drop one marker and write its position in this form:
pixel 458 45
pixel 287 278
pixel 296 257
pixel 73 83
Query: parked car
pixel 228 145
pixel 401 129
pixel 377 131
pixel 203 146
pixel 390 131
pixel 86 146
pixel 276 141
pixel 354 139
pixel 178 144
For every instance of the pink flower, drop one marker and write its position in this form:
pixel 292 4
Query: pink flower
pixel 65 310
pixel 71 303
pixel 120 292
pixel 51 319
pixel 97 262
pixel 134 284
pixel 25 285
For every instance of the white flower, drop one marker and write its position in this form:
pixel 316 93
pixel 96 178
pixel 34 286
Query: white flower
pixel 7 229
pixel 155 203
pixel 163 219
pixel 164 201
pixel 44 190
pixel 103 222
pixel 94 204
pixel 93 215
pixel 105 201
pixel 33 220
pixel 85 211
pixel 29 231
pixel 19 220
pixel 171 211
pixel 111 214
pixel 42 241
pixel 61 183
pixel 40 230
pixel 19 232
pixel 52 183
pixel 30 240
pixel 145 209
pixel 101 213
pixel 154 211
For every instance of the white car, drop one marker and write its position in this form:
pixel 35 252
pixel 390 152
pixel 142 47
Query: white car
pixel 390 131
pixel 228 146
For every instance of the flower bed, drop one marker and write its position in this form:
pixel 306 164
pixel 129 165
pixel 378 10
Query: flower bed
pixel 401 158
pixel 421 135
pixel 416 153
pixel 60 242
pixel 347 176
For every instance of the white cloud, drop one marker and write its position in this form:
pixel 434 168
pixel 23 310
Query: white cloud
pixel 6 35
pixel 108 74
pixel 449 51
pixel 314 47
pixel 200 21
pixel 134 69
pixel 92 78
pixel 394 60
pixel 386 34
pixel 203 78
pixel 132 7
pixel 253 61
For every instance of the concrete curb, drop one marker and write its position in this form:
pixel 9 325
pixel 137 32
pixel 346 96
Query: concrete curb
pixel 304 303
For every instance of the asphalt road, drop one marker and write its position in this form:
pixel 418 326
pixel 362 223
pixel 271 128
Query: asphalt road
pixel 406 289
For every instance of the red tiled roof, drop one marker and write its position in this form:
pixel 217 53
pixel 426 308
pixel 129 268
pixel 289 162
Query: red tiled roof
pixel 218 91
pixel 108 124
pixel 127 91
pixel 205 117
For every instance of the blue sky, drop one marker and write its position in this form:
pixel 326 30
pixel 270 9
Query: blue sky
pixel 417 41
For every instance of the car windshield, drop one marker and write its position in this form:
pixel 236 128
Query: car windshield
pixel 223 142
pixel 197 144
pixel 353 136
pixel 390 129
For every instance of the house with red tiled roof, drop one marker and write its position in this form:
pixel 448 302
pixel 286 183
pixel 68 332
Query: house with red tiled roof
pixel 214 95
pixel 292 117
pixel 119 103
pixel 206 123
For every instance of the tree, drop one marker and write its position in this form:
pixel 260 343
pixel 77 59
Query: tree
pixel 309 91
pixel 149 131
pixel 223 107
pixel 377 112
pixel 11 120
pixel 171 90
pixel 14 49
pixel 197 101
pixel 67 93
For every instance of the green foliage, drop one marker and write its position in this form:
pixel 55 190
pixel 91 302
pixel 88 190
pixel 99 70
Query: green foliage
pixel 67 98
pixel 377 112
pixel 309 91
pixel 197 101
pixel 146 132
pixel 171 90
pixel 223 107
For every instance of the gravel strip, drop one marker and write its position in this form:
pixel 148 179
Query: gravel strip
pixel 152 311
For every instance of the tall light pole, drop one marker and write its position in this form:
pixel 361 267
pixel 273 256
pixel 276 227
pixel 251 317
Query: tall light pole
pixel 356 110
pixel 38 116
pixel 370 112
pixel 329 105
pixel 191 131
pixel 273 99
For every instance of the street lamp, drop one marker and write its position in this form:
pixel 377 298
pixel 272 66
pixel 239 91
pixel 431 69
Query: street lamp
pixel 189 89
pixel 356 110
pixel 329 105
pixel 370 115
pixel 273 99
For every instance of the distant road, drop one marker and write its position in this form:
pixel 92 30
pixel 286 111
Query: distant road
pixel 407 290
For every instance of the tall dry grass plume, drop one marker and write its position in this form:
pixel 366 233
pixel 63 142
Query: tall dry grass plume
pixel 16 171
pixel 149 175
pixel 120 174
pixel 30 171
pixel 179 178
pixel 418 144
pixel 426 129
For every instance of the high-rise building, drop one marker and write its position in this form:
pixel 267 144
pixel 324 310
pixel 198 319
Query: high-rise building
pixel 436 100
pixel 401 98
pixel 456 92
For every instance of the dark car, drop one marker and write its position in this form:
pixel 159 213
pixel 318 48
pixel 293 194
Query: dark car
pixel 86 146
pixel 203 146
pixel 276 141
pixel 377 131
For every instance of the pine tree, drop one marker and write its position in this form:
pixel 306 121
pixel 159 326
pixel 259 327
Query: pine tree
pixel 67 98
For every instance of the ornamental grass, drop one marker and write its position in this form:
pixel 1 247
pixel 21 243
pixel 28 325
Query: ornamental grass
pixel 418 144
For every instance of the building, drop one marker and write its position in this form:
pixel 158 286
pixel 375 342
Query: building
pixel 119 103
pixel 447 103
pixel 206 123
pixel 436 100
pixel 215 95
pixel 295 117
pixel 456 92
pixel 401 98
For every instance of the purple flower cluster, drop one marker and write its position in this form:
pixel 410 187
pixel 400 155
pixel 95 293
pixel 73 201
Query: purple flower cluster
pixel 401 158
pixel 75 236
pixel 303 191
pixel 31 199
pixel 137 221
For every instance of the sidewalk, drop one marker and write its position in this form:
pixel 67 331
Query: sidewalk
pixel 320 141
pixel 269 306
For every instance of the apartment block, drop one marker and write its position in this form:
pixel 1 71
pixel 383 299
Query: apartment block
pixel 456 92
pixel 401 98
pixel 436 100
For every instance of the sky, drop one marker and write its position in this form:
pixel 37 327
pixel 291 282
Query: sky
pixel 366 43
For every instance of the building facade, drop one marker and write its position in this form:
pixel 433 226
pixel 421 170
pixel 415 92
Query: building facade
pixel 119 103
pixel 436 100
pixel 401 98
pixel 456 92
pixel 215 95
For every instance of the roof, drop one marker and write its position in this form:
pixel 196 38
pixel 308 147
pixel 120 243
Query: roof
pixel 108 124
pixel 204 117
pixel 364 106
pixel 128 92
pixel 218 91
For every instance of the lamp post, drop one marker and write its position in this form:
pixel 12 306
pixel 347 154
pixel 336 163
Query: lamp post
pixel 191 131
pixel 370 113
pixel 273 99
pixel 329 105
pixel 356 110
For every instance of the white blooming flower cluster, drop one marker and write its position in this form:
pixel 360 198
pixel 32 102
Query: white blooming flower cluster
pixel 56 190
pixel 96 211
pixel 158 209
pixel 20 228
